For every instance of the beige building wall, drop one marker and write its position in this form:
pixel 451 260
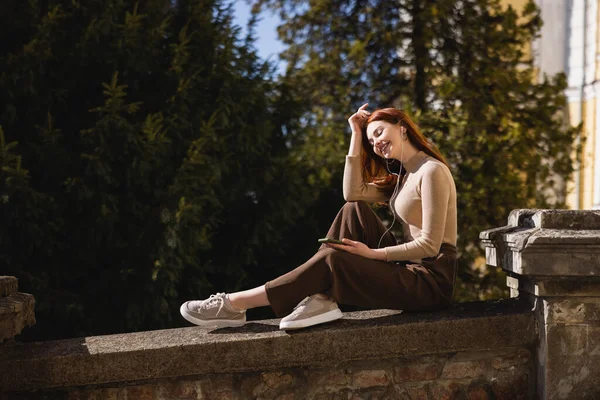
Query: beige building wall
pixel 570 43
pixel 573 195
pixel 583 93
pixel 587 171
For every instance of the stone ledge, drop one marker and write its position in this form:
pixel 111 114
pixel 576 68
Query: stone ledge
pixel 8 285
pixel 550 243
pixel 260 345
pixel 16 313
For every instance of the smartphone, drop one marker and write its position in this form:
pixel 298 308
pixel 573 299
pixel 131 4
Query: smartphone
pixel 330 240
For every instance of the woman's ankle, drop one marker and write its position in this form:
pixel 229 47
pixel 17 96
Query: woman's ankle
pixel 233 303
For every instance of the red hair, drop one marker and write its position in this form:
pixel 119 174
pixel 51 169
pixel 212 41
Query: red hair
pixel 374 167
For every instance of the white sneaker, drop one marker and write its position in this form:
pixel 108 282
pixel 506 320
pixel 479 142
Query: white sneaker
pixel 214 311
pixel 311 311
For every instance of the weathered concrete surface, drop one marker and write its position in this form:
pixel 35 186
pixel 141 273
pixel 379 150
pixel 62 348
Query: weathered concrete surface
pixel 567 219
pixel 569 347
pixel 8 285
pixel 369 335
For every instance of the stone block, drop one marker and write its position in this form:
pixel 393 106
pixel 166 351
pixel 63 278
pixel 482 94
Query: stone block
pixel 446 390
pixel 8 285
pixel 141 392
pixel 370 378
pixel 267 385
pixel 572 377
pixel 417 372
pixel 572 310
pixel 570 360
pixel 179 390
pixel 518 358
pixel 10 305
pixel 328 380
pixel 276 380
pixel 16 313
pixel 508 387
pixel 378 393
pixel 576 380
pixel 396 392
pixel 287 396
pixel 344 395
pixel 247 385
pixel 567 219
pixel 94 394
pixel 555 243
pixel 463 369
pixel 477 392
pixel 558 260
pixel 217 387
pixel 417 393
pixel 554 286
pixel 571 287
pixel 571 340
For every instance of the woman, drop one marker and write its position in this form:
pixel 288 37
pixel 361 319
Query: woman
pixel 389 160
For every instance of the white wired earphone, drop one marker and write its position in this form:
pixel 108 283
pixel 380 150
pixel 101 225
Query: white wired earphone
pixel 403 137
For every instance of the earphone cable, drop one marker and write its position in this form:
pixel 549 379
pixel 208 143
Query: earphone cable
pixel 393 193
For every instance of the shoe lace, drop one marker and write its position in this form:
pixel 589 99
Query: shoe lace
pixel 213 301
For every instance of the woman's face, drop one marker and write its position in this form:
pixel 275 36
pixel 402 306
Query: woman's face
pixel 384 138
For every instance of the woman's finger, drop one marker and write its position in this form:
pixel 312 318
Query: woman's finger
pixel 343 247
pixel 363 106
pixel 349 242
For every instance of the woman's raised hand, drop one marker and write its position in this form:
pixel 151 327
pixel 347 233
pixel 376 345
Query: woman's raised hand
pixel 358 120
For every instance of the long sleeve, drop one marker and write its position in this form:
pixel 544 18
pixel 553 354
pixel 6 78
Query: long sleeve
pixel 435 188
pixel 354 187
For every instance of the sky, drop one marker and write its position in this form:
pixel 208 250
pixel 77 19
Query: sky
pixel 266 31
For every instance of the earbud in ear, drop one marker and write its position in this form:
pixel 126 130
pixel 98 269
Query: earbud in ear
pixel 403 132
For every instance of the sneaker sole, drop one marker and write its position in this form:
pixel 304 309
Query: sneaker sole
pixel 212 322
pixel 317 319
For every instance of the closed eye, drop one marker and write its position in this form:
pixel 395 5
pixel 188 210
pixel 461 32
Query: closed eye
pixel 376 133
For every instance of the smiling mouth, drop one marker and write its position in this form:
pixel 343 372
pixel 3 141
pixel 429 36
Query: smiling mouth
pixel 385 148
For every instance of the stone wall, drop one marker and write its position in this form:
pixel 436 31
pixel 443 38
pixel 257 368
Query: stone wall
pixel 471 351
pixel 16 309
pixel 498 374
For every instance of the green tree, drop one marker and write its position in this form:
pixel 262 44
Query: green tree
pixel 460 69
pixel 146 159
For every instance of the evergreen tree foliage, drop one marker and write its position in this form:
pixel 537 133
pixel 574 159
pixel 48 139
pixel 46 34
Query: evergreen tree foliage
pixel 460 68
pixel 146 160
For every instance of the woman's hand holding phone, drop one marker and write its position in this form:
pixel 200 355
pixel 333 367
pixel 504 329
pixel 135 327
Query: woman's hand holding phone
pixel 354 247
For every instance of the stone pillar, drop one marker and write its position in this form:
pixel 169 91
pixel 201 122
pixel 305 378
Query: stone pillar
pixel 552 258
pixel 16 309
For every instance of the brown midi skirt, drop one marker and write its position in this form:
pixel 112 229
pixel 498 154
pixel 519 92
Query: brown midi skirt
pixel 358 281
